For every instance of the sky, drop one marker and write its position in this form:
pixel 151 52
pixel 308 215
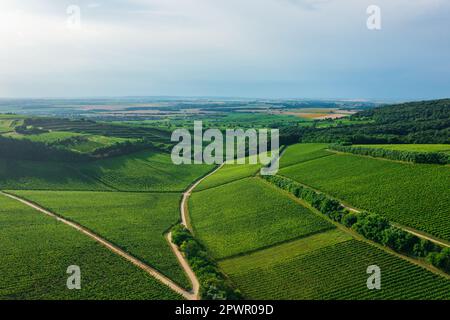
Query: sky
pixel 228 48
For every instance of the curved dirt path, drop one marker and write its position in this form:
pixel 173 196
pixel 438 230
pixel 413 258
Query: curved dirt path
pixel 183 207
pixel 189 295
pixel 195 292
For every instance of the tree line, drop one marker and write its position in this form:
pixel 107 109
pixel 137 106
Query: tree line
pixel 213 284
pixel 400 155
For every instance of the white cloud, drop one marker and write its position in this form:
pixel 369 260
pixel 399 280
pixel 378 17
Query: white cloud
pixel 187 46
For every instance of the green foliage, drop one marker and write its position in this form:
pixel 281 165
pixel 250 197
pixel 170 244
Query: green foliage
pixel 247 215
pixel 213 284
pixel 36 251
pixel 415 122
pixel 135 222
pixel 371 226
pixel 441 259
pixel 401 155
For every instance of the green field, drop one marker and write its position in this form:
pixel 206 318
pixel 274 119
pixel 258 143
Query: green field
pixel 298 153
pixel 136 222
pixel 144 171
pixel 249 214
pixel 445 148
pixel 88 143
pixel 414 195
pixel 39 175
pixel 329 266
pixel 47 137
pixel 36 251
pixel 7 124
pixel 229 173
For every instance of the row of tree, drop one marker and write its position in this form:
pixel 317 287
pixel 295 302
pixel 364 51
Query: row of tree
pixel 401 155
pixel 370 225
pixel 213 284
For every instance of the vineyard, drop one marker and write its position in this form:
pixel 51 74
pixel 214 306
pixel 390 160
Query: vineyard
pixel 229 173
pixel 384 187
pixel 100 129
pixel 144 171
pixel 410 147
pixel 332 269
pixel 134 222
pixel 39 175
pixel 36 251
pixel 298 153
pixel 249 214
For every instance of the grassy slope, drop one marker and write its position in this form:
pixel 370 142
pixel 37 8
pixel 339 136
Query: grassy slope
pixel 229 173
pixel 410 147
pixel 135 222
pixel 36 175
pixel 329 266
pixel 36 251
pixel 411 194
pixel 303 152
pixel 144 171
pixel 248 214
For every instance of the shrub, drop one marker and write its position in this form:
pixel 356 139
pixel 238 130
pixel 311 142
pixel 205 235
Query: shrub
pixel 349 219
pixel 213 284
pixel 371 226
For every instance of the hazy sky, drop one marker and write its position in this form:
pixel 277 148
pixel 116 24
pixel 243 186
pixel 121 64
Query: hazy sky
pixel 247 48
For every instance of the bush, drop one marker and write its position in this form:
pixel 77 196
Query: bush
pixel 349 219
pixel 371 226
pixel 399 240
pixel 213 284
pixel 441 259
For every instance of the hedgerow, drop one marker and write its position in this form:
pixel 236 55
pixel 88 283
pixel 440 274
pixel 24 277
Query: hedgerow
pixel 213 284
pixel 401 155
pixel 370 225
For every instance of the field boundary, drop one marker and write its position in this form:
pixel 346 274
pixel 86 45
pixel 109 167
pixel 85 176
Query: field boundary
pixel 359 237
pixel 418 233
pixel 304 236
pixel 189 295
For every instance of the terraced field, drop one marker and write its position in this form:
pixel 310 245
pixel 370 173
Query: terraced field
pixel 303 152
pixel 445 148
pixel 36 251
pixel 249 214
pixel 414 195
pixel 135 222
pixel 101 129
pixel 144 171
pixel 329 266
